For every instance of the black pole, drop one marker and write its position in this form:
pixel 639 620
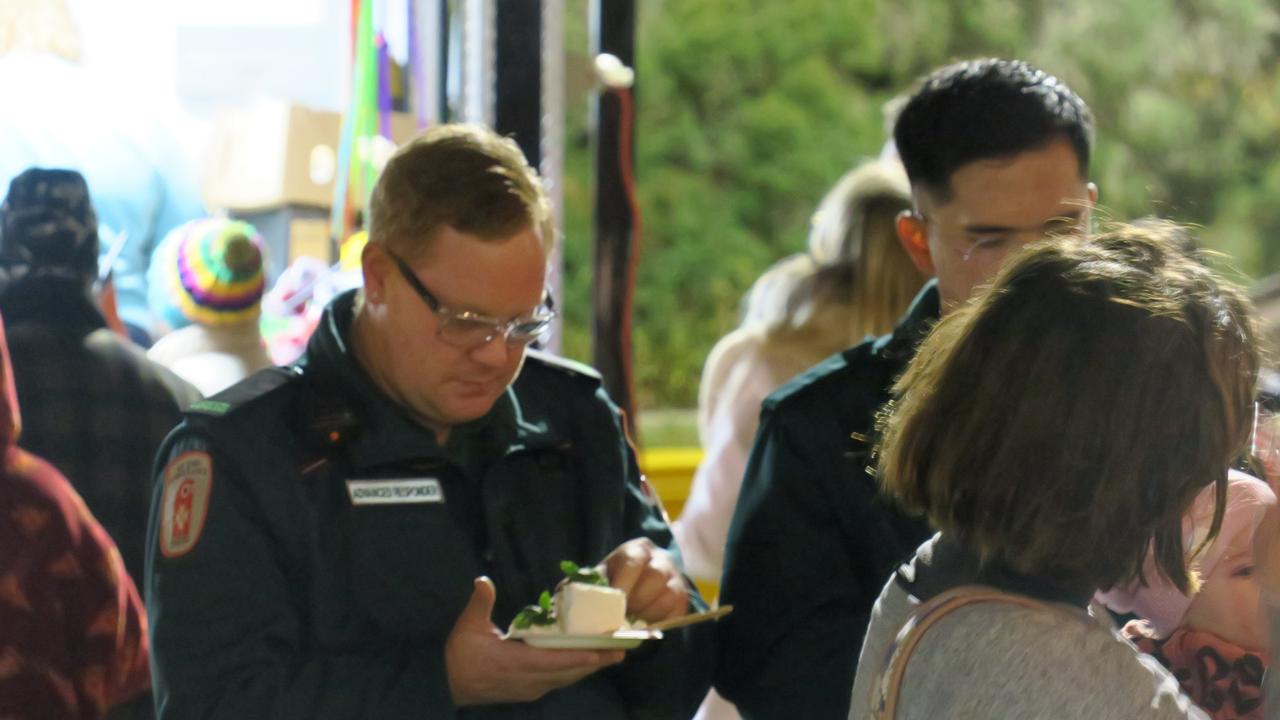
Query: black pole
pixel 614 33
pixel 446 36
pixel 518 75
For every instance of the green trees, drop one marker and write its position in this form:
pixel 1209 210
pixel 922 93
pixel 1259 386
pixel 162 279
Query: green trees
pixel 749 110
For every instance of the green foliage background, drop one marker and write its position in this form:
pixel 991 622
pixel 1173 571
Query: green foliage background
pixel 748 111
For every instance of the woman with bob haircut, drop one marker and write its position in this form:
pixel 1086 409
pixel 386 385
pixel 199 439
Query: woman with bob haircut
pixel 1053 431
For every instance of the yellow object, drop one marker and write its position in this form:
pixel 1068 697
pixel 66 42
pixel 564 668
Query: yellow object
pixel 352 247
pixel 670 472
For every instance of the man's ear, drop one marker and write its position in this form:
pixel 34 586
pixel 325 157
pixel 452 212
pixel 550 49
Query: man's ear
pixel 915 240
pixel 375 264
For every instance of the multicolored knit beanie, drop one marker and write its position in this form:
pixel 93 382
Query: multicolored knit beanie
pixel 208 272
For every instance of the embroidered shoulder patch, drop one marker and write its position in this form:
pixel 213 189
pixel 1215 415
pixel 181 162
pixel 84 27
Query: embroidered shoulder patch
pixel 187 481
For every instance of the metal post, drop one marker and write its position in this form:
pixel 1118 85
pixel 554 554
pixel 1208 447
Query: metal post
pixel 518 80
pixel 477 61
pixel 552 166
pixel 430 23
pixel 612 31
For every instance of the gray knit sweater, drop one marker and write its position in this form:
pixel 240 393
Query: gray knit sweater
pixel 992 660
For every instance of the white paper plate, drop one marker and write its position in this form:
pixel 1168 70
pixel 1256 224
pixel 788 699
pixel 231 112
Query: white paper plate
pixel 622 639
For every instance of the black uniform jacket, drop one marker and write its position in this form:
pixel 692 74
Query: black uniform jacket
pixel 311 546
pixel 812 544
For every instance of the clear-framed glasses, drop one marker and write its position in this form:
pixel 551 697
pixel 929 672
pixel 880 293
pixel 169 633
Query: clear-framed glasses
pixel 466 329
pixel 984 243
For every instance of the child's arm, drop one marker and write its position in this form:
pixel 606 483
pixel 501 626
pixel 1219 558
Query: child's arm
pixel 1266 558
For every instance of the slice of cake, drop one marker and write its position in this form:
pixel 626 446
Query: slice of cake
pixel 583 604
pixel 588 609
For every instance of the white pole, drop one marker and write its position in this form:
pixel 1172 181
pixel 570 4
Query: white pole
pixel 552 144
pixel 478 24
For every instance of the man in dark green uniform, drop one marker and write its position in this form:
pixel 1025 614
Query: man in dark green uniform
pixel 348 537
pixel 997 153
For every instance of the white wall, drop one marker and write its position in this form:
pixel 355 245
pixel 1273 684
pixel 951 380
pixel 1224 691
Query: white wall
pixel 210 53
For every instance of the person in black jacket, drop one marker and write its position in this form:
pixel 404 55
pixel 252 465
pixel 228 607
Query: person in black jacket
pixel 997 153
pixel 93 404
pixel 348 537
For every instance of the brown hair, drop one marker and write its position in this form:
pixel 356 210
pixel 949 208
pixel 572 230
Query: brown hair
pixel 1063 422
pixel 464 176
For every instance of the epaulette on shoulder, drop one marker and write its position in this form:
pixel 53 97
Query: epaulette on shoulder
pixel 801 384
pixel 563 365
pixel 244 392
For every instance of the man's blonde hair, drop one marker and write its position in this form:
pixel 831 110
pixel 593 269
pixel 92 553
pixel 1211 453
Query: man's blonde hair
pixel 464 176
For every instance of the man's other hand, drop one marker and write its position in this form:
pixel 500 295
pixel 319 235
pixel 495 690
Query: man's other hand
pixel 649 576
pixel 483 668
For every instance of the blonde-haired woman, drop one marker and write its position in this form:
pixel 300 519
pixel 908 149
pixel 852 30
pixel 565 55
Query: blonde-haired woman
pixel 854 280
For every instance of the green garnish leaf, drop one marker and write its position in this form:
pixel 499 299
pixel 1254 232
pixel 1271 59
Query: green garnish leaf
pixel 576 573
pixel 531 615
pixel 544 612
pixel 523 619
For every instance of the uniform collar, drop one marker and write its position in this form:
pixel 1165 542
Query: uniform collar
pixel 920 317
pixel 388 435
pixel 943 563
pixel 514 429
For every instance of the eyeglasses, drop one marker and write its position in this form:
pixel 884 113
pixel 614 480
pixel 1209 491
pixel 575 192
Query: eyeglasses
pixel 983 244
pixel 466 329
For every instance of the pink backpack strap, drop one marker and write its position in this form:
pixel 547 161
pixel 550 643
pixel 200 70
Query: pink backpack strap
pixel 888 685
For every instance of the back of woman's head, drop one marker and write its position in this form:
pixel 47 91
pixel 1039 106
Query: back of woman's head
pixel 854 259
pixel 1071 413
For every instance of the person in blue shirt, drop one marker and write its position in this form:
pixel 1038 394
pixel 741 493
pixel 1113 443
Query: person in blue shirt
pixel 118 136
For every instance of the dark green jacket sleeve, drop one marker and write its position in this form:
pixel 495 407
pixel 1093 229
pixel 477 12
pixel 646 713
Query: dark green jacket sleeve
pixel 790 647
pixel 226 625
pixel 666 679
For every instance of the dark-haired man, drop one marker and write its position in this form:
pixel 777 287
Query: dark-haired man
pixel 997 153
pixel 348 537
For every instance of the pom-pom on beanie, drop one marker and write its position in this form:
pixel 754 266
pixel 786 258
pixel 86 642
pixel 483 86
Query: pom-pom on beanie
pixel 208 272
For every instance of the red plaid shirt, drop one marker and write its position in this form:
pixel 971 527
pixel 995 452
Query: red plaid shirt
pixel 73 639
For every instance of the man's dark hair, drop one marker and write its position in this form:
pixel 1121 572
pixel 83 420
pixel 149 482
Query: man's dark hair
pixel 989 108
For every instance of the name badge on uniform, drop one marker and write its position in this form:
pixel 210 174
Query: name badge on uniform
pixel 395 491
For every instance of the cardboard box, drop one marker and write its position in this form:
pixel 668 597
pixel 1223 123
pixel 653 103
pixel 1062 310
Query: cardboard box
pixel 275 154
pixel 290 231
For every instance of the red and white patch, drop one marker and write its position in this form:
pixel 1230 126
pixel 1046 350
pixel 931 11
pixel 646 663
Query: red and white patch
pixel 187 481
